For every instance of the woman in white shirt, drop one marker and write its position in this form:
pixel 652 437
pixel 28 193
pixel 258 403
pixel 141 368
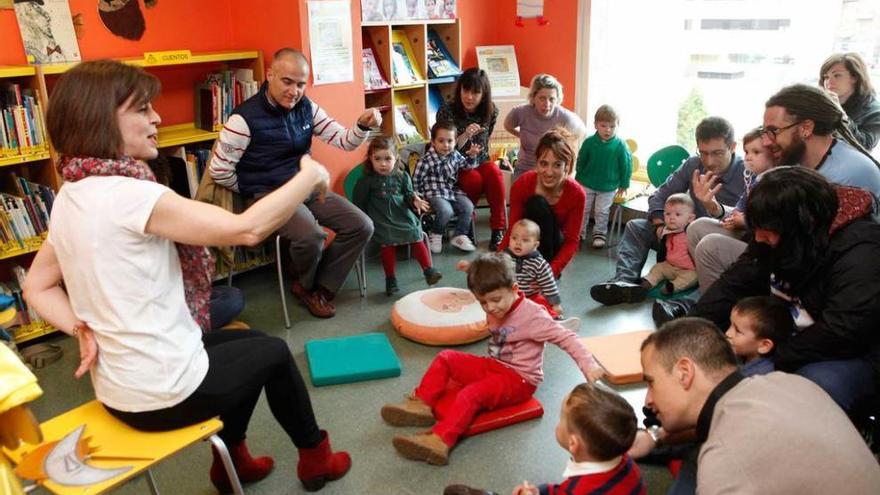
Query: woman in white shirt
pixel 128 251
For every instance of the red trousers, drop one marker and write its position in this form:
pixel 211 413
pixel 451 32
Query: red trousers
pixel 389 256
pixel 486 179
pixel 486 384
pixel 538 298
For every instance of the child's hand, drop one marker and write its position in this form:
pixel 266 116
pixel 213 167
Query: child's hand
pixel 620 194
pixel 526 488
pixel 557 308
pixel 420 204
pixel 474 150
pixel 736 220
pixel 595 373
pixel 463 265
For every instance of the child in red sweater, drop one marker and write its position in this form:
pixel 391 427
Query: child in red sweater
pixel 519 329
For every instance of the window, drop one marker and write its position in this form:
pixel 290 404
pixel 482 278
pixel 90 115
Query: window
pixel 663 78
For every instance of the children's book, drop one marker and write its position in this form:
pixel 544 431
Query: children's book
pixel 373 78
pixel 404 68
pixel 440 61
pixel 435 101
pixel 406 126
pixel 47 31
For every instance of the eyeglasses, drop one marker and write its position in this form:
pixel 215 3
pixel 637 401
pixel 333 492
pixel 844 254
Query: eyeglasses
pixel 773 132
pixel 714 153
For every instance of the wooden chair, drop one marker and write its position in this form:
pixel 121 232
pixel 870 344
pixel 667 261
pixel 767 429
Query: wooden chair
pixel 116 445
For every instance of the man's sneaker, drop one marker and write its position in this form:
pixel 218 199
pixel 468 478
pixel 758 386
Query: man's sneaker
pixel 435 242
pixel 573 323
pixel 666 311
pixel 391 287
pixel 432 275
pixel 611 293
pixel 598 242
pixel 497 237
pixel 463 243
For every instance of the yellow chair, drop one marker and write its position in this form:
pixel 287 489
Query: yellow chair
pixel 114 444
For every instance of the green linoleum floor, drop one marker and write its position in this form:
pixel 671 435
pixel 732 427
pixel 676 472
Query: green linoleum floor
pixel 498 460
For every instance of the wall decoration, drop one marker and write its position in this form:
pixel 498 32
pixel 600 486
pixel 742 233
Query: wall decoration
pixel 123 18
pixel 46 31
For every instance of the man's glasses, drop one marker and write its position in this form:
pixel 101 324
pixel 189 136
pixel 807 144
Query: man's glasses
pixel 773 132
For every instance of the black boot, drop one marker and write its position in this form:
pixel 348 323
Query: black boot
pixel 497 236
pixel 432 275
pixel 391 286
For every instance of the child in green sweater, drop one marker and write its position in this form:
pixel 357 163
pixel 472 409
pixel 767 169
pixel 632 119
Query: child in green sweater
pixel 604 166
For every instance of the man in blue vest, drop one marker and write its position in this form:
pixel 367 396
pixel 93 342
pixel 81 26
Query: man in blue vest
pixel 259 149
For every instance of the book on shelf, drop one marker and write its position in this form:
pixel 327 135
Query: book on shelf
pixel 219 94
pixel 435 101
pixel 12 288
pixel 440 61
pixel 373 76
pixel 406 126
pixel 404 68
pixel 22 129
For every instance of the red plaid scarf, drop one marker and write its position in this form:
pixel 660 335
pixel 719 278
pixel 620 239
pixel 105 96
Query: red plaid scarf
pixel 196 262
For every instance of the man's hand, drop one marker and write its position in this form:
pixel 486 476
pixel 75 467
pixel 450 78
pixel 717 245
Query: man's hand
pixel 704 187
pixel 420 204
pixel 736 220
pixel 370 118
pixel 658 230
pixel 525 488
pixel 322 180
pixel 88 349
pixel 642 445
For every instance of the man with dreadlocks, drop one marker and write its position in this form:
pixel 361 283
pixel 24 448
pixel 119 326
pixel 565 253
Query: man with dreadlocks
pixel 803 125
pixel 815 246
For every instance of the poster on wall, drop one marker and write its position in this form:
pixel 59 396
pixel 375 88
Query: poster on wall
pixel 407 10
pixel 499 62
pixel 330 41
pixel 47 31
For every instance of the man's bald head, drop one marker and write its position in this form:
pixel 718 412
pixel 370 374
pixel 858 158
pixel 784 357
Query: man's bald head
pixel 287 77
pixel 290 54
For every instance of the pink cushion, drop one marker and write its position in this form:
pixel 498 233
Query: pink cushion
pixel 491 420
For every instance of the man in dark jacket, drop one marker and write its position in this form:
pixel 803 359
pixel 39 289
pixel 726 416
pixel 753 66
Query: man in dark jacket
pixel 815 246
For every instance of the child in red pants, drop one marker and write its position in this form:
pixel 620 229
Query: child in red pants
pixel 519 329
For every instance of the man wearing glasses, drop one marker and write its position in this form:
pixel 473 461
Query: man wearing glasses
pixel 803 126
pixel 713 178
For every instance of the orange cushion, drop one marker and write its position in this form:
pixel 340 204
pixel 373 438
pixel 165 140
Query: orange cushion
pixel 441 316
pixel 490 420
pixel 619 354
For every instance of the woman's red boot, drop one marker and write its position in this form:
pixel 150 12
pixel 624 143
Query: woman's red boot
pixel 247 468
pixel 320 464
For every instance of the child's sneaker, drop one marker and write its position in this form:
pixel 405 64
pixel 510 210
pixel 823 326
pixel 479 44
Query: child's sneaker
pixel 598 242
pixel 435 242
pixel 463 243
pixel 391 286
pixel 432 275
pixel 573 323
pixel 411 412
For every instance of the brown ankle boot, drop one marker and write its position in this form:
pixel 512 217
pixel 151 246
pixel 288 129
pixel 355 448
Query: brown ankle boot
pixel 411 412
pixel 247 468
pixel 320 464
pixel 427 447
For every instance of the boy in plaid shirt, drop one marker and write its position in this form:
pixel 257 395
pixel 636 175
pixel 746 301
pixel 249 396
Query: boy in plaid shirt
pixel 436 179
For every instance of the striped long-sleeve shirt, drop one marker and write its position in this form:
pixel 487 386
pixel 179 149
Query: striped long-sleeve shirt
pixel 534 276
pixel 236 136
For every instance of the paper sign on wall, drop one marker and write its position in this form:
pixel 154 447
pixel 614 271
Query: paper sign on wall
pixel 330 41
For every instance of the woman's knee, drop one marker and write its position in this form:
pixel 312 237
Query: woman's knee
pixel 471 183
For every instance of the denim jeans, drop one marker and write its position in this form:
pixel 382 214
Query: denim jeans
pixel 443 210
pixel 226 303
pixel 639 237
pixel 846 381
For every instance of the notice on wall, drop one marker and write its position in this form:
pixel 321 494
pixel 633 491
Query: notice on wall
pixel 330 41
pixel 499 62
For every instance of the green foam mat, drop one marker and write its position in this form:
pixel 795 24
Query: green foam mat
pixel 355 358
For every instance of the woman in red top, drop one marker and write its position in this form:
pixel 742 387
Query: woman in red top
pixel 549 197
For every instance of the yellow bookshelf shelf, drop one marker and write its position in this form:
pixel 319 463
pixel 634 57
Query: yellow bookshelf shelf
pixel 31 245
pixel 17 159
pixel 16 70
pixel 31 331
pixel 178 135
pixel 195 58
pixel 415 22
pixel 415 85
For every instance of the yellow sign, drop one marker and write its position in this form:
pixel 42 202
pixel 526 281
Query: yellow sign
pixel 171 57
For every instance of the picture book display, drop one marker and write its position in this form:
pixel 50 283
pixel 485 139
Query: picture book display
pixel 47 31
pixel 373 78
pixel 406 126
pixel 440 61
pixel 404 68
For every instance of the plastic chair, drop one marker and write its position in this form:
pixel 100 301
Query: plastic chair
pixel 118 445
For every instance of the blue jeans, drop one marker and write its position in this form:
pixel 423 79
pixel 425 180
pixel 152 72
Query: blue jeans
pixel 443 210
pixel 846 381
pixel 226 303
pixel 639 237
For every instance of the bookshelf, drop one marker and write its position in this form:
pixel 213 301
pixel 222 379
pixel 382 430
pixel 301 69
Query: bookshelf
pixel 415 94
pixel 37 163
